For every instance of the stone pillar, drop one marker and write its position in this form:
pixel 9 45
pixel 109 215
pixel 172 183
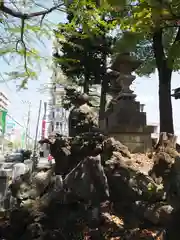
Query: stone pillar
pixel 125 65
pixel 126 81
pixel 125 118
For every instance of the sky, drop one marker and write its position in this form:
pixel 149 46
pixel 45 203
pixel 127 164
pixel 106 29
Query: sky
pixel 145 88
pixel 147 93
pixel 17 108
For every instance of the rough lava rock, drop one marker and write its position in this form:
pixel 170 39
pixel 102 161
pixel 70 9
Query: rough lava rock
pixel 67 201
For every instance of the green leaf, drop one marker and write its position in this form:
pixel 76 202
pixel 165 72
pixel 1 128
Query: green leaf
pixel 127 42
pixel 119 3
pixel 7 50
pixel 15 29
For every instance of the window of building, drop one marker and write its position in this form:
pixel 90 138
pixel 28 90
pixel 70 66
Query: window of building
pixel 57 125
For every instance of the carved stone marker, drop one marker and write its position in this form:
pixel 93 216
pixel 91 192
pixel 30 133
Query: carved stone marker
pixel 29 163
pixel 18 170
pixel 124 118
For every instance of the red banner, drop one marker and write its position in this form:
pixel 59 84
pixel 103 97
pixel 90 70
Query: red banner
pixel 43 128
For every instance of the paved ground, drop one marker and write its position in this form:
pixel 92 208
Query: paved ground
pixel 43 162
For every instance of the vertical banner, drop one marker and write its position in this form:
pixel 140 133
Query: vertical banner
pixel 43 128
pixel 3 115
pixel 44 121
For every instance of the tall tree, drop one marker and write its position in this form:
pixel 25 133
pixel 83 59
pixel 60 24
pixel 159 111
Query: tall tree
pixel 83 57
pixel 150 30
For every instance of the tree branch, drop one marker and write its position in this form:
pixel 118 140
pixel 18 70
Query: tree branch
pixel 174 45
pixel 21 41
pixel 177 39
pixel 25 16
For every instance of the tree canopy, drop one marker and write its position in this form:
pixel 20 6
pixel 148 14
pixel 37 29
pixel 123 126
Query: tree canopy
pixel 150 30
pixel 25 24
pixel 81 55
pixel 138 27
pixel 21 24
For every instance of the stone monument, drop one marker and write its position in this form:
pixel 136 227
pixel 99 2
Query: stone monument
pixel 125 118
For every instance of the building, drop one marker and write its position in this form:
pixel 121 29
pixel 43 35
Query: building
pixel 57 117
pixel 4 102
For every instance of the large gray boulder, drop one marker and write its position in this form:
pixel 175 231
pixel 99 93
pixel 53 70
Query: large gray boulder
pixel 88 180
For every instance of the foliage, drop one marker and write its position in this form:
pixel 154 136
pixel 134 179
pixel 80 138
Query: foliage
pixel 80 54
pixel 82 61
pixel 24 30
pixel 24 25
pixel 20 32
pixel 72 92
pixel 141 19
pixel 155 39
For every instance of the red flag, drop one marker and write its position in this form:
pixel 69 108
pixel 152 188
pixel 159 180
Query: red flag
pixel 43 128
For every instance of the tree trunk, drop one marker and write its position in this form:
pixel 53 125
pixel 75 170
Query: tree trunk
pixel 166 140
pixel 165 104
pixel 102 106
pixel 104 89
pixel 165 74
pixel 86 84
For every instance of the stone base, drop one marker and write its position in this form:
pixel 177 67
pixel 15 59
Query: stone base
pixel 136 142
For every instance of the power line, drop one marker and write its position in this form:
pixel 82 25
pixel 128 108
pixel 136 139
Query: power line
pixel 19 125
pixel 20 100
pixel 15 120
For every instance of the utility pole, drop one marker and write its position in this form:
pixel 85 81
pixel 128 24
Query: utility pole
pixel 27 127
pixel 36 136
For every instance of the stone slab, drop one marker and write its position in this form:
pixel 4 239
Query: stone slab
pixel 135 142
pixel 130 129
